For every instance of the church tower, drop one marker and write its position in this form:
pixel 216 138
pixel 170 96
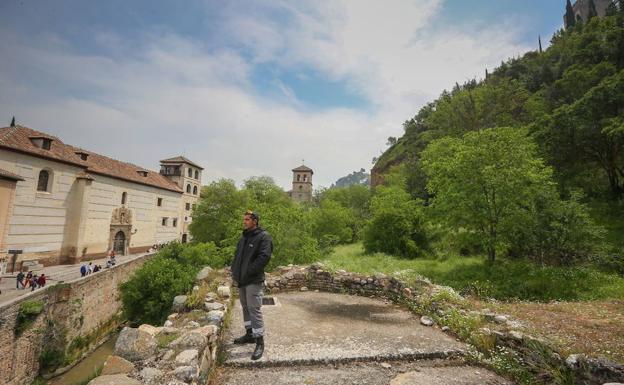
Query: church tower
pixel 302 184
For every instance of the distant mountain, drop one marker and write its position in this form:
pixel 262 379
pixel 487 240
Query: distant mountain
pixel 356 177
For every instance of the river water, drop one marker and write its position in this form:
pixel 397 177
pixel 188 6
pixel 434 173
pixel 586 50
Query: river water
pixel 87 367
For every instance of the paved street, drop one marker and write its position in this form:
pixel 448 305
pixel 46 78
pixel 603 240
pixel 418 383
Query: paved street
pixel 54 274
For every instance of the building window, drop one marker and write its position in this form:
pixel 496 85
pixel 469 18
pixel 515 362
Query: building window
pixel 305 178
pixel 188 206
pixel 43 181
pixel 164 221
pixel 298 178
pixel 46 144
pixel 188 188
pixel 175 222
pixel 185 219
pixel 194 190
pixel 190 173
pixel 124 197
pixel 300 187
pixel 159 202
pixel 197 174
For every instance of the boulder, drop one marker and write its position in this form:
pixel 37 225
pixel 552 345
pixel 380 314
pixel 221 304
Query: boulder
pixel 224 291
pixel 573 360
pixel 426 321
pixel 114 379
pixel 168 324
pixel 185 373
pixel 172 316
pixel 151 330
pixel 187 358
pixel 135 345
pixel 213 306
pixel 190 340
pixel 215 316
pixel 150 375
pixel 116 365
pixel 168 330
pixel 179 303
pixel 203 273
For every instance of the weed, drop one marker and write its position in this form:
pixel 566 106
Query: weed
pixel 26 315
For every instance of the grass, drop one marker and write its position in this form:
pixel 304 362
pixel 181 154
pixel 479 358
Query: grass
pixel 503 279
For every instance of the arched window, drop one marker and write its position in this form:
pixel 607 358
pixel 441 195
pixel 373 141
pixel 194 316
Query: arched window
pixel 194 190
pixel 196 174
pixel 305 178
pixel 124 197
pixel 188 188
pixel 190 173
pixel 43 181
pixel 298 177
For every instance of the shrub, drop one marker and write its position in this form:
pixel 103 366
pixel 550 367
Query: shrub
pixel 147 296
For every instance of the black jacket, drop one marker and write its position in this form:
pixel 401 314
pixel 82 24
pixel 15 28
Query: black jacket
pixel 253 253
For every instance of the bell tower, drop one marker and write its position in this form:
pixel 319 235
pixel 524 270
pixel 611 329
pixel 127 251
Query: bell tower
pixel 302 184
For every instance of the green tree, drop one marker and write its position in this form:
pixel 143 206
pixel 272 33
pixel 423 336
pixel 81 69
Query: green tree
pixel 485 182
pixel 217 217
pixel 397 225
pixel 331 224
pixel 591 130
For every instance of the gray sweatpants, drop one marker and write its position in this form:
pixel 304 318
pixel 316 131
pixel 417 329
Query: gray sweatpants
pixel 251 300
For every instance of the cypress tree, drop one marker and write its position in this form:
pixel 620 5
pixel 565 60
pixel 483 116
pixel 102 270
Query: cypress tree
pixel 569 18
pixel 13 122
pixel 539 41
pixel 592 10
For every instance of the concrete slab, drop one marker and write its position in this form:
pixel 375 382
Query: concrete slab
pixel 309 327
pixel 399 373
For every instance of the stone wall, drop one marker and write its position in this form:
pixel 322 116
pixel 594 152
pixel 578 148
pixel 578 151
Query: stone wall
pixel 442 305
pixel 72 309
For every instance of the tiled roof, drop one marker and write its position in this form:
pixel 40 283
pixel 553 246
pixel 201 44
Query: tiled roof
pixel 18 139
pixel 181 159
pixel 303 168
pixel 4 174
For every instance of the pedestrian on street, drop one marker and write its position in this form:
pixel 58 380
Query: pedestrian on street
pixel 253 253
pixel 33 282
pixel 41 282
pixel 20 280
pixel 83 270
pixel 28 282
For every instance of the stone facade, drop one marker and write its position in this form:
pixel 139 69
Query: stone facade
pixel 302 184
pixel 76 308
pixel 87 204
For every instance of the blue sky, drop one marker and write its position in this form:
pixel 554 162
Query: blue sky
pixel 249 88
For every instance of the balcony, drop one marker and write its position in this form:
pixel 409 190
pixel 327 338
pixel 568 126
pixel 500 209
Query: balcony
pixel 170 171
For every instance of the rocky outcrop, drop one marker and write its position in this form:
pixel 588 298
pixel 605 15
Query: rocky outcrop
pixel 182 351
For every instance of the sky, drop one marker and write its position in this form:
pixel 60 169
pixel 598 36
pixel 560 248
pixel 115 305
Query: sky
pixel 249 88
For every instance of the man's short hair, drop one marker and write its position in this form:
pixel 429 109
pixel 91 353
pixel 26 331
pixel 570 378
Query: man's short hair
pixel 253 214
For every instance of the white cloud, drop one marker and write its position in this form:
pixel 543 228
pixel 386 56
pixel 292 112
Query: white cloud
pixel 173 96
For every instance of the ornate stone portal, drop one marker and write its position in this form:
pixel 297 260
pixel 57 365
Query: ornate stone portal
pixel 120 230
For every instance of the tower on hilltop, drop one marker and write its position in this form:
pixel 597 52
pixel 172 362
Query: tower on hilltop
pixel 302 184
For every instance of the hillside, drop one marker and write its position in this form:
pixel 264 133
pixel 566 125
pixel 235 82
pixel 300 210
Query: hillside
pixel 570 96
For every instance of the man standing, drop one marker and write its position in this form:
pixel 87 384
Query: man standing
pixel 252 255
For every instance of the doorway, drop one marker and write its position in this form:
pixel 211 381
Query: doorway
pixel 119 243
